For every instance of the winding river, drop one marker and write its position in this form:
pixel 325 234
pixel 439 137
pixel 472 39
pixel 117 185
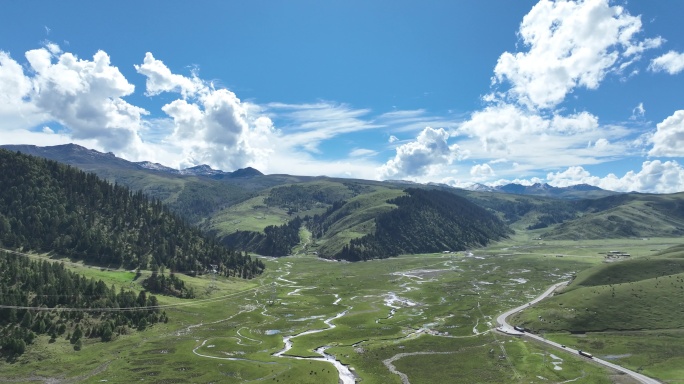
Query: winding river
pixel 345 374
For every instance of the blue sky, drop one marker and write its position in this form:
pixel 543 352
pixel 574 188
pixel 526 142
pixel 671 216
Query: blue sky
pixel 455 92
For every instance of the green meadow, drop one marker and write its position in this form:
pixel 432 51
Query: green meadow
pixel 417 318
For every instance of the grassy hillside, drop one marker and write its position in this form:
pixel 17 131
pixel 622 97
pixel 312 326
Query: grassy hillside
pixel 649 304
pixel 279 204
pixel 612 217
pixel 354 219
pixel 640 294
pixel 524 212
pixel 248 215
pixel 246 223
pixel 348 218
pixel 425 220
pixel 634 215
pixel 627 271
pixel 676 251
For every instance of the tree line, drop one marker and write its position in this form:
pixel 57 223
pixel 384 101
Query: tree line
pixel 81 307
pixel 276 240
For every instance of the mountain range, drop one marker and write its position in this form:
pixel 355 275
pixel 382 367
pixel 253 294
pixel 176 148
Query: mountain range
pixel 92 160
pixel 245 207
pixel 83 158
pixel 577 191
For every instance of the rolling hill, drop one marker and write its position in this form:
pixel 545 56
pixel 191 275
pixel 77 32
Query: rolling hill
pixel 425 220
pixel 629 215
pixel 360 220
pixel 638 294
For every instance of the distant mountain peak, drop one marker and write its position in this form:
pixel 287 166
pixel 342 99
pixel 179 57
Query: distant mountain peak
pixel 584 187
pixel 201 170
pixel 206 170
pixel 154 166
pixel 480 187
pixel 246 172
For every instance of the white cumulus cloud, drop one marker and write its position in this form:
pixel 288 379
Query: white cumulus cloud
pixel 86 96
pixel 14 86
pixel 210 126
pixel 668 139
pixel 419 158
pixel 481 172
pixel 571 44
pixel 160 79
pixel 15 111
pixel 671 62
pixel 308 125
pixel 216 130
pixel 499 127
pixel 654 177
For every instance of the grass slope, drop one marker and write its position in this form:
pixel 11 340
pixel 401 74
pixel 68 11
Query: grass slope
pixel 627 271
pixel 644 293
pixel 634 215
pixel 426 220
pixel 356 219
pixel 279 204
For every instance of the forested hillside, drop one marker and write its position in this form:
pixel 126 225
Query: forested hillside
pixel 362 222
pixel 424 221
pixel 50 207
pixel 525 212
pixel 194 197
pixel 276 240
pixel 292 205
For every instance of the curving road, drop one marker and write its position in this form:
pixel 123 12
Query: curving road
pixel 508 329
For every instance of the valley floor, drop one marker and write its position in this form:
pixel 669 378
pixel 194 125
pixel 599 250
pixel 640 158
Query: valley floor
pixel 412 319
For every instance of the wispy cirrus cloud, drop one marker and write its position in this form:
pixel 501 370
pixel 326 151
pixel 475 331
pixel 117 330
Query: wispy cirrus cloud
pixel 305 126
pixel 362 152
pixel 415 120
